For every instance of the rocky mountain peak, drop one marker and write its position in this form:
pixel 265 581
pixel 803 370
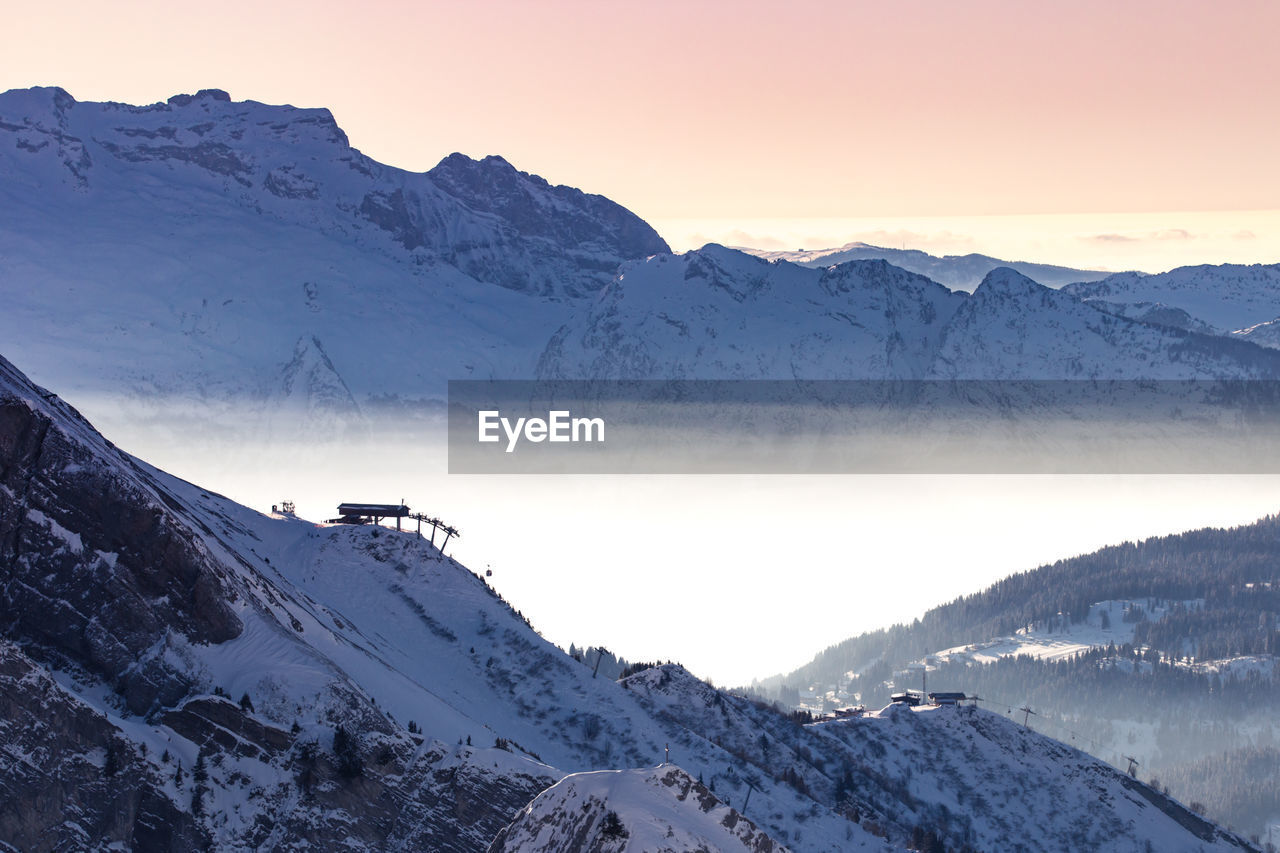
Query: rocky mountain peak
pixel 1006 282
pixel 538 209
pixel 181 100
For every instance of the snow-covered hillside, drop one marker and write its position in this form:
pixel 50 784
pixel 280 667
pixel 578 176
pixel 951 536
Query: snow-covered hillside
pixel 322 627
pixel 961 766
pixel 1108 623
pixel 1175 667
pixel 135 606
pixel 958 272
pixel 1104 625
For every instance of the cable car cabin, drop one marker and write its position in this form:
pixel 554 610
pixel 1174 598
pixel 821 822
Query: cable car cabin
pixel 353 513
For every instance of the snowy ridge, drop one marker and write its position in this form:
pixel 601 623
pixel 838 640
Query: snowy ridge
pixel 703 315
pixel 900 770
pixel 660 810
pixel 145 630
pixel 1263 334
pixel 1224 299
pixel 1013 328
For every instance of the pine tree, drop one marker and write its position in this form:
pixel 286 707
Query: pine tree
pixel 611 827
pixel 200 776
pixel 347 752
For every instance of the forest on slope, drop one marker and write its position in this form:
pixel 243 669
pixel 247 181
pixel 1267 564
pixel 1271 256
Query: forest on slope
pixel 1187 693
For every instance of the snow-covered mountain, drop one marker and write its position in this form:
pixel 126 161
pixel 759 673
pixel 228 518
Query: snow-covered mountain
pixel 204 270
pixel 1226 299
pixel 708 314
pixel 296 166
pixel 188 259
pixel 1013 328
pixel 720 313
pixel 204 275
pixel 138 607
pixel 388 699
pixel 958 272
pixel 946 771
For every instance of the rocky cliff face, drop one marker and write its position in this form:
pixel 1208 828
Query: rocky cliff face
pixel 594 231
pixel 100 571
pixel 70 779
pixel 297 165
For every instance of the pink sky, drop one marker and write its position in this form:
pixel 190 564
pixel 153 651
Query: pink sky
pixel 739 110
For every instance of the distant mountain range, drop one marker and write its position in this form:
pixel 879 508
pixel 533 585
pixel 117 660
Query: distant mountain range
pixel 717 313
pixel 229 270
pixel 958 272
